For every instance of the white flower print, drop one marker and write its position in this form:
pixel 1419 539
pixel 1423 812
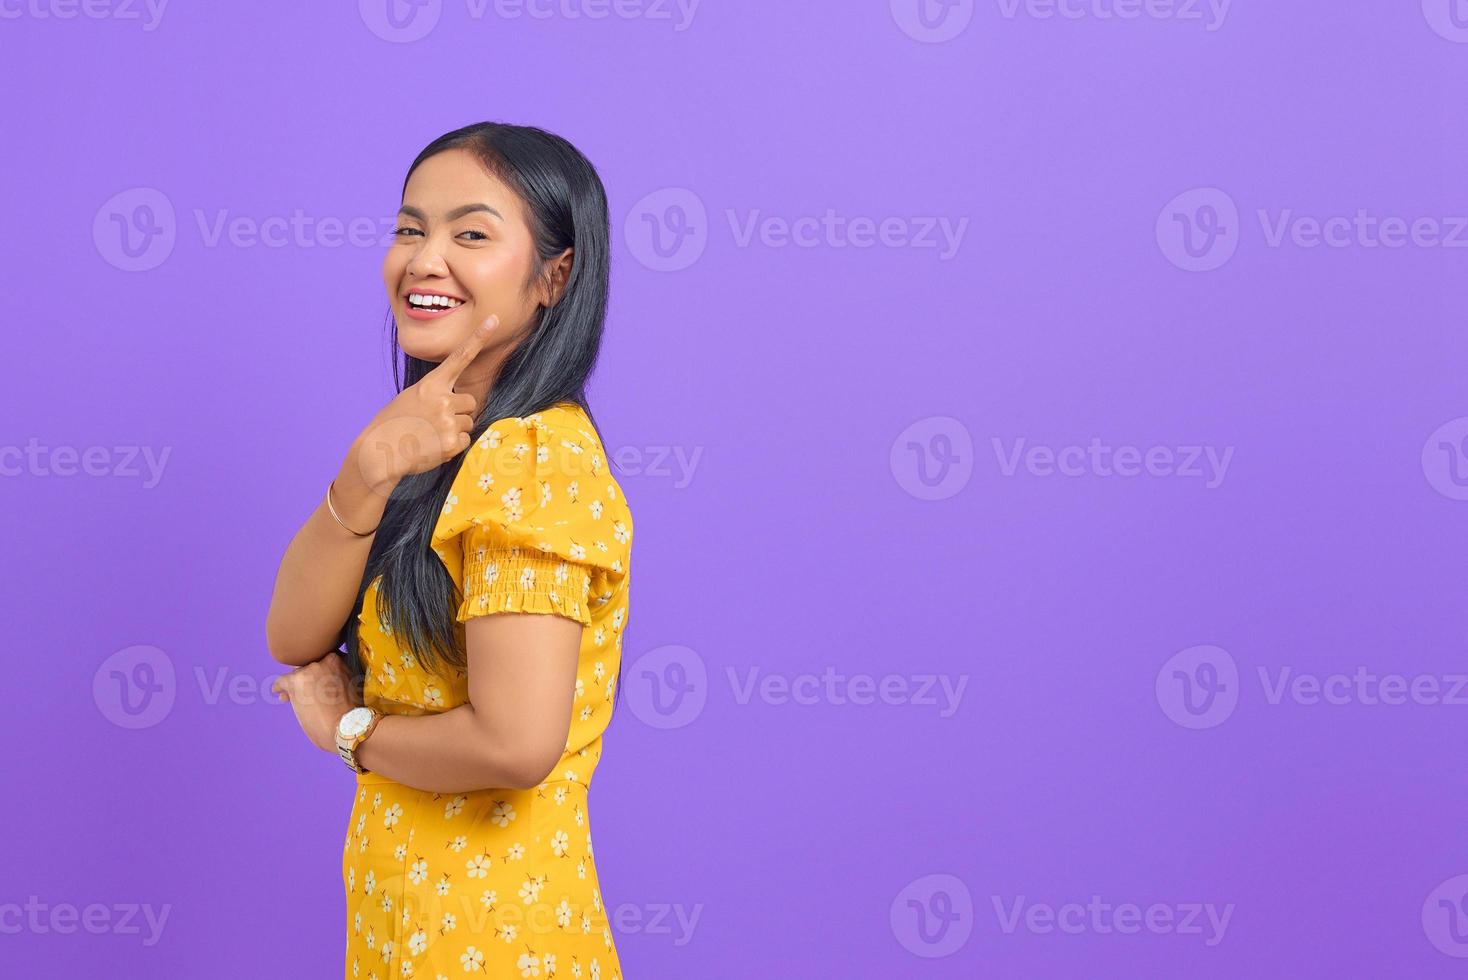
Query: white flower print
pixel 418 873
pixel 442 886
pixel 447 923
pixel 581 869
pixel 595 969
pixel 563 914
pixel 545 495
pixel 502 814
pixel 390 818
pixel 407 968
pixel 352 885
pixel 453 807
pixel 485 481
pixel 620 532
pixel 549 962
pixel 511 500
pixel 400 852
pixel 598 670
pixel 577 552
pixel 488 899
pixel 559 842
pixel 433 696
pixel 418 942
pixel 560 795
pixel 580 693
pixel 530 890
pixel 458 843
pixel 448 505
pixel 370 882
pixel 572 491
pixel 529 965
pixel 478 866
pixel 515 853
pixel 596 509
pixel 509 933
pixel 527 579
pixel 472 959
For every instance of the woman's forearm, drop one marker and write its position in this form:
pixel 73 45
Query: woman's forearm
pixel 317 582
pixel 454 751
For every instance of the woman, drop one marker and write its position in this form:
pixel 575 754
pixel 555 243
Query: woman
pixel 476 547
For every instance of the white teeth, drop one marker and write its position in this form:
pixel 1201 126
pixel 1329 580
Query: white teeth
pixel 428 301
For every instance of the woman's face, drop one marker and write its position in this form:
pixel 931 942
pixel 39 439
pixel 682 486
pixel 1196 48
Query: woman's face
pixel 462 233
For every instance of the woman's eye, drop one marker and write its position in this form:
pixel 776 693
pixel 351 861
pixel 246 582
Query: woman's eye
pixel 482 235
pixel 406 230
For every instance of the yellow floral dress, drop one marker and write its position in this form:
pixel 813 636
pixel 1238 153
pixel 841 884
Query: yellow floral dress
pixel 499 882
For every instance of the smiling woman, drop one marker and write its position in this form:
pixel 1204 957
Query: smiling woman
pixel 472 555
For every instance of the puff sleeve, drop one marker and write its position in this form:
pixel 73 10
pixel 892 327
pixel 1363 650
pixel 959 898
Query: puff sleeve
pixel 545 528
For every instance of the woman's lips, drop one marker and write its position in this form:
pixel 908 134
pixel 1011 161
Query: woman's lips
pixel 418 314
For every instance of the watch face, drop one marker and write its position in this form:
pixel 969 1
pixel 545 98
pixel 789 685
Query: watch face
pixel 354 722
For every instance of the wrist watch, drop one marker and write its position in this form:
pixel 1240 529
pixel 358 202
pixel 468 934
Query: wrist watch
pixel 351 731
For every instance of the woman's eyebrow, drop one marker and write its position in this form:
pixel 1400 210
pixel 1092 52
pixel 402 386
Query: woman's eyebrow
pixel 457 212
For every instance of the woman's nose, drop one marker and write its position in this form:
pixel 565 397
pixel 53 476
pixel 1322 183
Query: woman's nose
pixel 426 260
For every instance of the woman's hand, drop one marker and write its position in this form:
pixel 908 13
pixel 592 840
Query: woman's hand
pixel 427 424
pixel 320 692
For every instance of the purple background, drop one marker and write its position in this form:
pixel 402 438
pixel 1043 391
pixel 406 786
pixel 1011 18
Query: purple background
pixel 829 392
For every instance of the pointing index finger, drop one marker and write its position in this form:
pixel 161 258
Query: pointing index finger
pixel 454 365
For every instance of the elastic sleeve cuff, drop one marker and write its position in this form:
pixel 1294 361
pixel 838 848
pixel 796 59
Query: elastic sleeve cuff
pixel 512 580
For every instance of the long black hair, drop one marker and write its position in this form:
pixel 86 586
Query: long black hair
pixel 567 208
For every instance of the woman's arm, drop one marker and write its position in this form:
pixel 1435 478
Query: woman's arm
pixel 510 734
pixel 427 424
pixel 316 585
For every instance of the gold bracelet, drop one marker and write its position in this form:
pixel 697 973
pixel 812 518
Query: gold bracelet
pixel 331 507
